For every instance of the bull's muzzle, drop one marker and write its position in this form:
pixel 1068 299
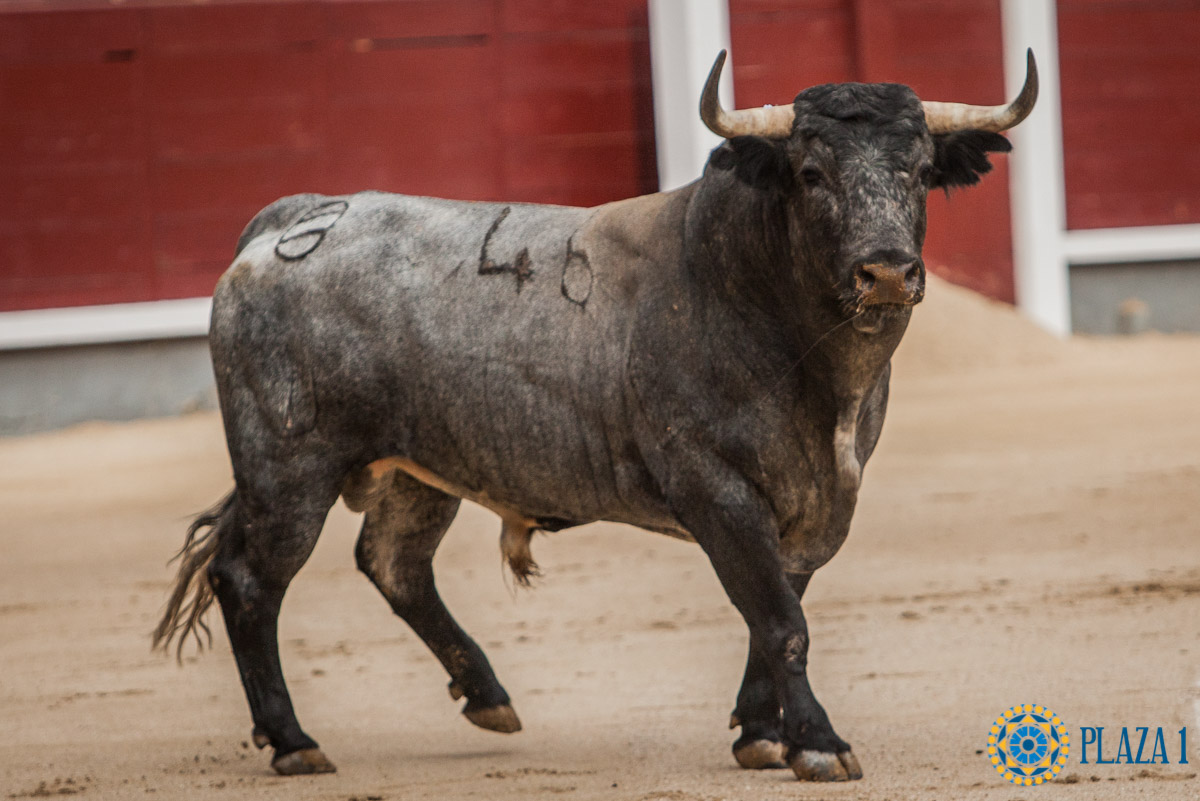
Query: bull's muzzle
pixel 887 283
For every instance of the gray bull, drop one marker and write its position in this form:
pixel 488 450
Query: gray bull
pixel 710 363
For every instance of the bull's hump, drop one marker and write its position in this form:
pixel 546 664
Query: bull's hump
pixel 643 225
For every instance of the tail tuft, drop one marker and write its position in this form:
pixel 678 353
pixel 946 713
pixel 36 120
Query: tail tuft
pixel 193 594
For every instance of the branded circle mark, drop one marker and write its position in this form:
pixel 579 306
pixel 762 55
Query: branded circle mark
pixel 1028 744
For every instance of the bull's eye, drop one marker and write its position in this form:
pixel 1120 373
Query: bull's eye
pixel 926 175
pixel 812 177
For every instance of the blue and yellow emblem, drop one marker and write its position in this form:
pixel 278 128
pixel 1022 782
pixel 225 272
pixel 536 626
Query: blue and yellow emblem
pixel 1028 744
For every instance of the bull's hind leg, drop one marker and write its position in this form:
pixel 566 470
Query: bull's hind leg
pixel 405 522
pixel 261 547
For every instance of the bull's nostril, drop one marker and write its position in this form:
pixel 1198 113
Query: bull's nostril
pixel 897 281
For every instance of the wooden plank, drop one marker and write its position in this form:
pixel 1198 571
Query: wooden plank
pixel 228 28
pixel 552 16
pixel 574 59
pixel 92 36
pixel 569 168
pixel 74 263
pixel 409 19
pixel 597 108
pixel 440 151
pixel 70 88
pixel 458 72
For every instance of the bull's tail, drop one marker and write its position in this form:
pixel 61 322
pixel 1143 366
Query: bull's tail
pixel 193 594
pixel 514 548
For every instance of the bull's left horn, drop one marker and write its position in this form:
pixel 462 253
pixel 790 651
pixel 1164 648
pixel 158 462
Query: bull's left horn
pixel 773 122
pixel 949 117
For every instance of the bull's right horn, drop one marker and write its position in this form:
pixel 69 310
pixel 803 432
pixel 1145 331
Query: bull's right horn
pixel 773 122
pixel 943 118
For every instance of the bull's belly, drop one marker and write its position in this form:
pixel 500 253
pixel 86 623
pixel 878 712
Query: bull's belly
pixel 362 490
pixel 365 488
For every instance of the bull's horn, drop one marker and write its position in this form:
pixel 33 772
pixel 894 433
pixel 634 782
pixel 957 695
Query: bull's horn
pixel 949 117
pixel 774 122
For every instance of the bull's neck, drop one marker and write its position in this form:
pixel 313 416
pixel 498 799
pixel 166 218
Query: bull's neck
pixel 742 259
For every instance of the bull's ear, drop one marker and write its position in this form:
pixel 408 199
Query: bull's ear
pixel 756 161
pixel 960 158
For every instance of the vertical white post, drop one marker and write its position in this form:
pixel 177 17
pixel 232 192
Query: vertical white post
pixel 685 36
pixel 1036 188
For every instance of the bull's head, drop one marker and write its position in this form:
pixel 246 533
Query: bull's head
pixel 853 164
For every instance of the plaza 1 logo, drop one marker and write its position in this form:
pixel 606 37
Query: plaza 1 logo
pixel 1028 744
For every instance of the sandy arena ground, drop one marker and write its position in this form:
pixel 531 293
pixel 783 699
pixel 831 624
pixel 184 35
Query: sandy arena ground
pixel 1027 533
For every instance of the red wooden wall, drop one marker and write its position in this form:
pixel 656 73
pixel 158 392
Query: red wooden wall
pixel 1131 111
pixel 137 139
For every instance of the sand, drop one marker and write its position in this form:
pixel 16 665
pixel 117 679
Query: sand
pixel 1027 532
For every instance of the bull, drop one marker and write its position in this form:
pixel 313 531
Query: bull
pixel 710 363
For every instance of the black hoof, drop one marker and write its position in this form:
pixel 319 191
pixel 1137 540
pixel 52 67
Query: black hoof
pixel 302 762
pixel 758 754
pixel 823 766
pixel 494 718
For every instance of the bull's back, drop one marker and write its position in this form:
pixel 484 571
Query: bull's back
pixel 484 341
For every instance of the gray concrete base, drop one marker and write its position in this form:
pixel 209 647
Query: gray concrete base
pixel 48 388
pixel 1168 292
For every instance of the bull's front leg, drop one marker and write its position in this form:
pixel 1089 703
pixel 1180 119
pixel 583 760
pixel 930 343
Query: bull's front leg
pixel 757 713
pixel 734 525
pixel 757 710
